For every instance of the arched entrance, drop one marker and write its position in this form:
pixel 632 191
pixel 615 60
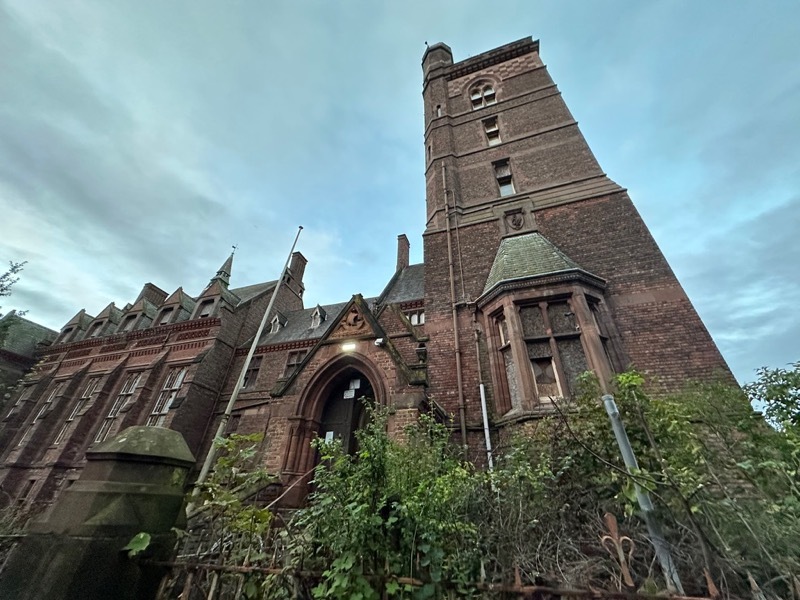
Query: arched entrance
pixel 331 406
pixel 344 410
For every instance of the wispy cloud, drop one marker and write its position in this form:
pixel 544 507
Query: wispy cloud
pixel 138 142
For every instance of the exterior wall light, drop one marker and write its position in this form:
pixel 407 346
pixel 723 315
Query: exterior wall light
pixel 348 346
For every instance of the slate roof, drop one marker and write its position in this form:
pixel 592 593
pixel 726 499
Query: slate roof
pixel 22 335
pixel 528 255
pixel 409 285
pixel 298 325
pixel 249 292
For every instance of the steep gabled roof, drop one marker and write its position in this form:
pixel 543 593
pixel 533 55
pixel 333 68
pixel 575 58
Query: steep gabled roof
pixel 249 292
pixel 180 298
pixel 81 320
pixel 527 256
pixel 111 313
pixel 408 285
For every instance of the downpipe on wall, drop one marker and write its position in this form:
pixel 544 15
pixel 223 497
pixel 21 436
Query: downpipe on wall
pixel 462 410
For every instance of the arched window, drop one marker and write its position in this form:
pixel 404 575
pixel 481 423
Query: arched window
pixel 482 95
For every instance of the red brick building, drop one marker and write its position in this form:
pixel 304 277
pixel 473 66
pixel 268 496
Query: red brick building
pixel 537 268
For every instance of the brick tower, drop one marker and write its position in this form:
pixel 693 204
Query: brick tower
pixel 537 266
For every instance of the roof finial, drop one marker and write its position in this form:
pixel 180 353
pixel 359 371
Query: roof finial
pixel 224 273
pixel 235 246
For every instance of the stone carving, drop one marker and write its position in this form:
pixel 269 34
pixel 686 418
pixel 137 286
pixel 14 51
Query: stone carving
pixel 515 220
pixel 352 324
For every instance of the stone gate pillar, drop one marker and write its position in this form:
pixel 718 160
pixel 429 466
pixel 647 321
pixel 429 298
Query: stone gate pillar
pixel 132 483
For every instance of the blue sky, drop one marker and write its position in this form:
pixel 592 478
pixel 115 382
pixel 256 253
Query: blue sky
pixel 140 140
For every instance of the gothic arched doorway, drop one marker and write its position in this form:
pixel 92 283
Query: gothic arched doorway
pixel 344 411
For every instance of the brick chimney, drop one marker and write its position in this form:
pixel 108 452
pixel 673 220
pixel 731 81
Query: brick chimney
pixel 297 266
pixel 402 251
pixel 153 294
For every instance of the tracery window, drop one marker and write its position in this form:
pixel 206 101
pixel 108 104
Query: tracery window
pixel 553 343
pixel 482 95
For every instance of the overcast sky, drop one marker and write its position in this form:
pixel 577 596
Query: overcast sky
pixel 140 140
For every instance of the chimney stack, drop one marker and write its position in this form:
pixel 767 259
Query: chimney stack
pixel 402 251
pixel 297 266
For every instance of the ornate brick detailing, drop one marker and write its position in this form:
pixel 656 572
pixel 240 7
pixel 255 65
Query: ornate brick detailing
pixel 145 352
pixel 279 347
pixel 107 358
pixel 74 363
pixel 151 341
pixel 190 335
pixel 412 304
pixel 79 353
pixel 114 347
pixel 502 71
pixel 188 345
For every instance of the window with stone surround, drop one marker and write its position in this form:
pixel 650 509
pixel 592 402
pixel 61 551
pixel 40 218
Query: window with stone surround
pixel 502 172
pixel 492 131
pixel 51 398
pixel 293 362
pixel 252 372
pixel 169 391
pixel 543 344
pixel 81 403
pixel 124 396
pixel 553 343
pixel 482 95
pixel 416 317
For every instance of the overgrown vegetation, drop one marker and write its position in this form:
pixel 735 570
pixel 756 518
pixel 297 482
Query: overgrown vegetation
pixel 412 520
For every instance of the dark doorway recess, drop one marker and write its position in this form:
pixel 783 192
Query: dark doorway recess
pixel 344 411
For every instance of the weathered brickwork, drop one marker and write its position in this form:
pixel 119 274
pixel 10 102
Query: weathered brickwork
pixel 537 268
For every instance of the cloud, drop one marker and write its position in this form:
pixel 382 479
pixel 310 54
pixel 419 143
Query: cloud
pixel 140 142
pixel 744 283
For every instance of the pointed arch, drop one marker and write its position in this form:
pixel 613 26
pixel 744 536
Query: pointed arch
pixel 308 417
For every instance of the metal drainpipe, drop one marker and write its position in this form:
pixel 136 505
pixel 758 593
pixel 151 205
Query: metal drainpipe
pixel 484 413
pixel 462 410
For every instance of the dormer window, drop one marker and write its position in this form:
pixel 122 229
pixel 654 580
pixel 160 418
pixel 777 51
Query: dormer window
pixel 206 308
pixel 275 324
pixel 96 328
pixel 128 324
pixel 166 316
pixel 66 335
pixel 317 317
pixel 482 95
